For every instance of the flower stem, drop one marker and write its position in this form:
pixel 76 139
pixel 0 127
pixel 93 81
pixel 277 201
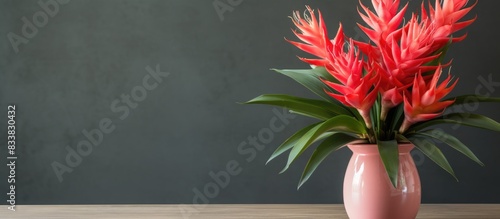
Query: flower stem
pixel 371 136
pixel 384 112
pixel 405 126
pixel 366 117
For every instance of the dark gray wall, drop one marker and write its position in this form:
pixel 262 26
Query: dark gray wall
pixel 65 78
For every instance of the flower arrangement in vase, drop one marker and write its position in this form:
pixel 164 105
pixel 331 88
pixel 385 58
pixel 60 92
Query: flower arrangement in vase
pixel 382 99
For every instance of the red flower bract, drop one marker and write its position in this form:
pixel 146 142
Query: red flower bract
pixel 423 103
pixel 355 89
pixel 341 60
pixel 385 21
pixel 313 33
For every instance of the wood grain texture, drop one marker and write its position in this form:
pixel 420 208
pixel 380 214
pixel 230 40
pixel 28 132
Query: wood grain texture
pixel 441 211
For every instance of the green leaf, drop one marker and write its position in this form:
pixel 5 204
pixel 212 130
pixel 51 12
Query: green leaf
pixel 310 78
pixel 329 145
pixel 473 99
pixel 397 117
pixel 375 116
pixel 451 141
pixel 390 157
pixel 467 119
pixel 432 152
pixel 290 142
pixel 443 51
pixel 313 108
pixel 341 123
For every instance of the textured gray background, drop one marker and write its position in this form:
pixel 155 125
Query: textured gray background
pixel 65 78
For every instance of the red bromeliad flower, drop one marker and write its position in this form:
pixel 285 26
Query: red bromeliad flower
pixel 402 57
pixel 355 89
pixel 400 53
pixel 346 65
pixel 445 17
pixel 423 102
pixel 313 33
pixel 385 21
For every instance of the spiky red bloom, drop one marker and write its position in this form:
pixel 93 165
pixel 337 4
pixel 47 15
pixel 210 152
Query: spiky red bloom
pixel 446 16
pixel 401 52
pixel 344 63
pixel 312 31
pixel 355 89
pixel 385 21
pixel 423 103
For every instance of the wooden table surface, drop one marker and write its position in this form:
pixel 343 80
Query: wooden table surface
pixel 440 211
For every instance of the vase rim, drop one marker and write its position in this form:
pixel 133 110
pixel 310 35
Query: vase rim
pixel 374 144
pixel 367 148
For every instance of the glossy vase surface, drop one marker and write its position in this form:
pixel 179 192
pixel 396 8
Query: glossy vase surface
pixel 368 192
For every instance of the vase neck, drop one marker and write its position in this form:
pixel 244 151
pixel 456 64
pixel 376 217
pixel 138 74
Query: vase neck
pixel 367 149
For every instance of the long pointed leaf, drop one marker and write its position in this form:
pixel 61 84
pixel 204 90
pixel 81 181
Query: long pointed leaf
pixel 313 108
pixel 397 117
pixel 290 142
pixel 328 146
pixel 467 119
pixel 341 123
pixel 375 117
pixel 473 98
pixel 433 153
pixel 390 157
pixel 309 79
pixel 452 142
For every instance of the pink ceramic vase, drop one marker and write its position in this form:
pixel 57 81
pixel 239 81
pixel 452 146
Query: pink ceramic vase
pixel 368 192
